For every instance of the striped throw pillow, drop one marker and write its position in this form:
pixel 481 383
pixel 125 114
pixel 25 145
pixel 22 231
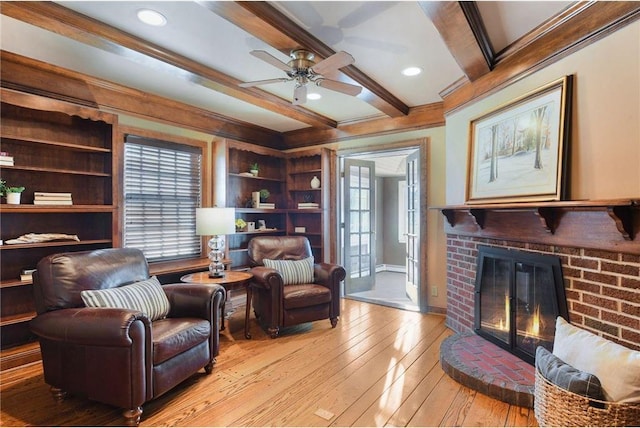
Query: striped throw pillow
pixel 293 271
pixel 144 296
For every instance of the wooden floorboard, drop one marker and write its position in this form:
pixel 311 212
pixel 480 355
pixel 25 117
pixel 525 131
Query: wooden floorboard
pixel 378 367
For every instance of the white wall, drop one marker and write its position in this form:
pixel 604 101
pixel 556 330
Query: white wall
pixel 605 144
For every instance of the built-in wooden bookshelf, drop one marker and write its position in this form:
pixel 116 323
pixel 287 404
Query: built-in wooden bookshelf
pixel 287 177
pixel 57 147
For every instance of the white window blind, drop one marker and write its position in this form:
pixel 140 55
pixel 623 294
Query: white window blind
pixel 162 188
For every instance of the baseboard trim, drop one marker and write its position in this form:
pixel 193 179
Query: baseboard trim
pixel 391 268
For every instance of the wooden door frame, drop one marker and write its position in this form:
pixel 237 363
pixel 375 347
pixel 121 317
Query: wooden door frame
pixel 422 145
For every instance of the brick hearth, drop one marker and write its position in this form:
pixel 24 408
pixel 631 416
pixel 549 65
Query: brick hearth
pixel 484 367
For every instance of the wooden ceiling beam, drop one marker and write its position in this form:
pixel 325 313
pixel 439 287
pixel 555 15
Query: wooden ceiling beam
pixel 576 27
pixel 451 22
pixel 60 20
pixel 421 117
pixel 265 22
pixel 36 77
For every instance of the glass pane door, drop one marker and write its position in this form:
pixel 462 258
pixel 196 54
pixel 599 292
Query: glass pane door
pixel 359 248
pixel 413 227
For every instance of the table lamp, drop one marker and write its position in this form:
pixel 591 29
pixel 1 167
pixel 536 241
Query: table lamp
pixel 215 222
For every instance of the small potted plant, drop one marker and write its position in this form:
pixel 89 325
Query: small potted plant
pixel 253 169
pixel 12 193
pixel 240 225
pixel 264 195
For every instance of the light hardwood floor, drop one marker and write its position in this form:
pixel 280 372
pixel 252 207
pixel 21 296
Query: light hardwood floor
pixel 378 367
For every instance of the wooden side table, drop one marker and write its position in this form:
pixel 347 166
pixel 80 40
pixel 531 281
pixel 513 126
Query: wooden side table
pixel 232 280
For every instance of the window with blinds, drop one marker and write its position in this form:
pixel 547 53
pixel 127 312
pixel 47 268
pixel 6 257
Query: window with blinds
pixel 162 188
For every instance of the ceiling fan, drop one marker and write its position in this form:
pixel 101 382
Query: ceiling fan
pixel 303 69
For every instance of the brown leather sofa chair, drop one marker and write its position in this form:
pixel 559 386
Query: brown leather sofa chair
pixel 277 305
pixel 118 356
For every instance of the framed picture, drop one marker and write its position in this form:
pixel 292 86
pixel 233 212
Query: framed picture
pixel 518 152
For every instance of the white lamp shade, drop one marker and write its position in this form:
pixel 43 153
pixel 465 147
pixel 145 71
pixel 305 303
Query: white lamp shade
pixel 215 221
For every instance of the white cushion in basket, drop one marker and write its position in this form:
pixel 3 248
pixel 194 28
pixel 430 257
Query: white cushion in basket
pixel 293 271
pixel 144 296
pixel 617 367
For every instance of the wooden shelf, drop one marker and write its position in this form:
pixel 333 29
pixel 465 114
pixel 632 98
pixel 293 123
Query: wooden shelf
pixel 58 144
pixel 308 171
pixel 251 177
pixel 27 208
pixel 16 319
pixel 306 211
pixel 6 247
pixel 260 211
pixel 591 223
pixel 260 232
pixel 8 283
pixel 56 171
pixel 319 189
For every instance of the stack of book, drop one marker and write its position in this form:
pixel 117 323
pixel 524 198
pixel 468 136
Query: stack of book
pixel 27 274
pixel 266 205
pixel 308 205
pixel 6 159
pixel 52 198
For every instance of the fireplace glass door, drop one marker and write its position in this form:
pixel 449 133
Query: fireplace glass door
pixel 518 297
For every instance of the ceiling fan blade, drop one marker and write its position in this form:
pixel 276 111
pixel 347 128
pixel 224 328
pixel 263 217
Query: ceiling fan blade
pixel 334 62
pixel 299 95
pixel 262 82
pixel 334 85
pixel 267 57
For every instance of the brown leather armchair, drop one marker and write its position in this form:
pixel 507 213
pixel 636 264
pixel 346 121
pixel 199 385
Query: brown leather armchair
pixel 277 305
pixel 118 356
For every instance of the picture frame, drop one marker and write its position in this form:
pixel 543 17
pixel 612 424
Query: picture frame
pixel 518 152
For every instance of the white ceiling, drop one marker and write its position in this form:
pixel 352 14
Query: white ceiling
pixel 383 37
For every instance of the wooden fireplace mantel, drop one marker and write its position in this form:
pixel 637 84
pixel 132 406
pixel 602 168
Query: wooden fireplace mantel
pixel 611 225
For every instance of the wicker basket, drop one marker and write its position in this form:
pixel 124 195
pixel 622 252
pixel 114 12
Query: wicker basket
pixel 554 406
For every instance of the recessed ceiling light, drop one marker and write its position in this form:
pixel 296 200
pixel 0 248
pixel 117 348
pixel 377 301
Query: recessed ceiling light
pixel 314 96
pixel 412 71
pixel 152 17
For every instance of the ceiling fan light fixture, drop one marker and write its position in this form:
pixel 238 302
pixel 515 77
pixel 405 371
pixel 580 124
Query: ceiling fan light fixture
pixel 411 71
pixel 151 17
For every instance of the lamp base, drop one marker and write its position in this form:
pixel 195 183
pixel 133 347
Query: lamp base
pixel 216 275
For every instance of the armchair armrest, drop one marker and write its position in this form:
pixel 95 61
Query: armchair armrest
pixel 266 278
pixel 89 326
pixel 328 274
pixel 195 300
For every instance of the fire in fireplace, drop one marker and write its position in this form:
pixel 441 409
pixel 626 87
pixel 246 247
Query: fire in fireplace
pixel 519 295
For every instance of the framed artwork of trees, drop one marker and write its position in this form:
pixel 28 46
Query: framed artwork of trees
pixel 518 152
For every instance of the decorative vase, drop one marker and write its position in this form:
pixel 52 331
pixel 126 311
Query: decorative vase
pixel 315 183
pixel 13 198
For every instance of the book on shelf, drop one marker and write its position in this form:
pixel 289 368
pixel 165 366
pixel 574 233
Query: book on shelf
pixel 6 160
pixel 266 205
pixel 52 195
pixel 52 198
pixel 27 274
pixel 307 205
pixel 52 202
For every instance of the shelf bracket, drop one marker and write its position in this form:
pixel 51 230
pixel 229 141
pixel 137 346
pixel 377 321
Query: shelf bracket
pixel 622 216
pixel 450 215
pixel 479 217
pixel 547 217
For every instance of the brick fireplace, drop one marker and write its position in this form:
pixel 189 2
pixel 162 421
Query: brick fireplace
pixel 598 245
pixel 602 287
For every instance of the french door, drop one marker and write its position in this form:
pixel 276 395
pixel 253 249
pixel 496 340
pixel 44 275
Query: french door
pixel 359 220
pixel 412 286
